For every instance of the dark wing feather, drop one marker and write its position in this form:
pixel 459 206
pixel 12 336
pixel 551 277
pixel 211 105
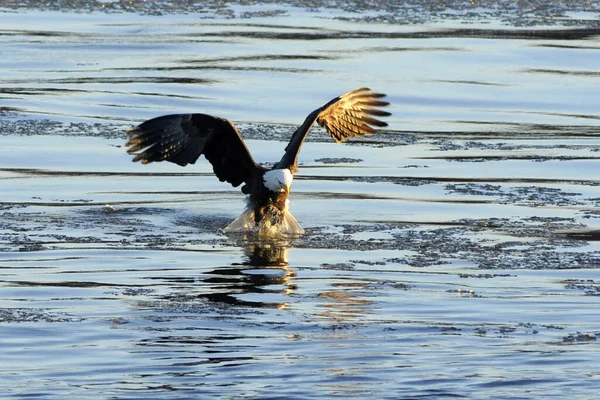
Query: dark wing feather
pixel 351 114
pixel 182 138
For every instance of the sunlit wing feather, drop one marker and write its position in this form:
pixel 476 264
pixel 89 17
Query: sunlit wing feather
pixel 351 114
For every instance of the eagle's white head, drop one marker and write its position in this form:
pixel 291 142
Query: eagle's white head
pixel 277 180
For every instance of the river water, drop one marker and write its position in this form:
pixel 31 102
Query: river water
pixel 454 255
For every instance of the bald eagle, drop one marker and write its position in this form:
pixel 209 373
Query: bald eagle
pixel 182 138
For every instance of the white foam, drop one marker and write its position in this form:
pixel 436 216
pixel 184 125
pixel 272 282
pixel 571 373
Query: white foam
pixel 278 179
pixel 245 224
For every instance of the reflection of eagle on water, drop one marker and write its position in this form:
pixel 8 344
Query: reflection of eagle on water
pixel 182 138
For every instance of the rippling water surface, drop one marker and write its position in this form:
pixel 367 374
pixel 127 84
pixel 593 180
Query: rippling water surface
pixel 454 256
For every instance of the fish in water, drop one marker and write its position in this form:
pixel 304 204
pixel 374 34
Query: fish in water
pixel 182 138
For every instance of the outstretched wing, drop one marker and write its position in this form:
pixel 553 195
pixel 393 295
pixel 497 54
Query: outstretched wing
pixel 349 115
pixel 182 138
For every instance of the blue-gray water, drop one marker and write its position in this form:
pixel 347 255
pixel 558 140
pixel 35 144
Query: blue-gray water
pixel 455 256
